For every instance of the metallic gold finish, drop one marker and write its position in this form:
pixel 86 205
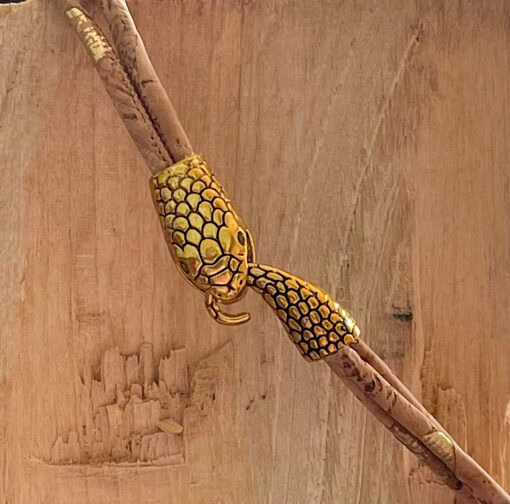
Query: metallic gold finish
pixel 221 317
pixel 441 446
pixel 314 321
pixel 214 251
pixel 94 42
pixel 209 242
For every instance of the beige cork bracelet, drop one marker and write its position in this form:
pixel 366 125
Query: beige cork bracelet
pixel 215 253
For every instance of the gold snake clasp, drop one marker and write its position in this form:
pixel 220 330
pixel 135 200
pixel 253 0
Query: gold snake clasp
pixel 314 321
pixel 214 251
pixel 209 242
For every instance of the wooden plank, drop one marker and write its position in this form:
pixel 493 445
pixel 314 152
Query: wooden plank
pixel 365 146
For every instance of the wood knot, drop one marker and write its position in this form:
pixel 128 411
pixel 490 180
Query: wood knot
pixel 402 314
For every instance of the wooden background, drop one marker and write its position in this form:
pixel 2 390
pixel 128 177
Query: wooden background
pixel 367 146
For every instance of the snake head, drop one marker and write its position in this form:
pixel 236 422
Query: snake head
pixel 209 242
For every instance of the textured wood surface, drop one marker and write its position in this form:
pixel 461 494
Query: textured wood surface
pixel 366 147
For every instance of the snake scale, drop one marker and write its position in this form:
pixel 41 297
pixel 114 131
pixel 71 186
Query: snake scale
pixel 214 251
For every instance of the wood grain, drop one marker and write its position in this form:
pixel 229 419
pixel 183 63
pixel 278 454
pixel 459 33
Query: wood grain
pixel 366 147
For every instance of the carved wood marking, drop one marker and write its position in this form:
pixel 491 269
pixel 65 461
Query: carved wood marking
pixel 132 413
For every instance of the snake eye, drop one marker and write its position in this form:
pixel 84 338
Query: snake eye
pixel 240 237
pixel 184 267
